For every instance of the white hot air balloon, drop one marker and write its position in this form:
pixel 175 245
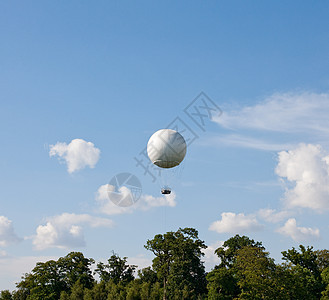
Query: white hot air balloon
pixel 166 149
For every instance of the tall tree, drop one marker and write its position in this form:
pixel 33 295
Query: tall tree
pixel 178 263
pixel 256 273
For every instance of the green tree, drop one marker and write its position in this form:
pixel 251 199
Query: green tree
pixel 116 291
pixel 116 270
pixel 222 284
pixel 77 291
pixel 322 259
pixel 306 258
pixel 227 253
pixel 5 295
pixel 75 267
pixel 47 280
pixel 133 290
pixel 156 292
pixel 44 282
pixel 147 275
pixel 305 270
pixel 178 263
pixel 98 292
pixel 256 273
pixel 325 278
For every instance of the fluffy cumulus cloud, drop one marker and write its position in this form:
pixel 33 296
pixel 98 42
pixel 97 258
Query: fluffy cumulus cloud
pixel 236 223
pixel 305 171
pixel 66 230
pixel 7 233
pixel 106 203
pixel 78 154
pixel 299 234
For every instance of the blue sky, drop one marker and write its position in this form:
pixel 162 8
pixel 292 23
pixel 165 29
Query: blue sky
pixel 95 80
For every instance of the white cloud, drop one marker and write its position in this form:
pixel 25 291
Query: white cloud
pixel 65 230
pixel 146 202
pixel 307 169
pixel 272 216
pixel 235 223
pixel 210 258
pixel 279 122
pixel 299 234
pixel 106 206
pixel 288 112
pixel 78 154
pixel 236 140
pixel 7 233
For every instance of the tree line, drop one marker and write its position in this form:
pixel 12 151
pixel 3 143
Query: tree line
pixel 244 271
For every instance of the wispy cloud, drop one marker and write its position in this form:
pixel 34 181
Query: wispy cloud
pixel 78 154
pixel 299 234
pixel 293 117
pixel 236 140
pixel 282 112
pixel 7 233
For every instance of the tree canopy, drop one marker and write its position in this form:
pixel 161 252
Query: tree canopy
pixel 244 270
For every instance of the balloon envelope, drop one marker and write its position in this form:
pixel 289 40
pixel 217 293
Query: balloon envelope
pixel 166 148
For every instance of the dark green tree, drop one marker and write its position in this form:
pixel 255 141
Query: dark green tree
pixel 223 280
pixel 306 258
pixel 75 267
pixel 44 282
pixel 305 270
pixel 147 275
pixel 98 292
pixel 222 284
pixel 47 280
pixel 227 253
pixel 178 263
pixel 5 295
pixel 116 270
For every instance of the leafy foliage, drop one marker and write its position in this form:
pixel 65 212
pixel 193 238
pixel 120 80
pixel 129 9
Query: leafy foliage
pixel 245 271
pixel 178 263
pixel 116 270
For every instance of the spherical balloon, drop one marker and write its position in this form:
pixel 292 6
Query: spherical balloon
pixel 166 148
